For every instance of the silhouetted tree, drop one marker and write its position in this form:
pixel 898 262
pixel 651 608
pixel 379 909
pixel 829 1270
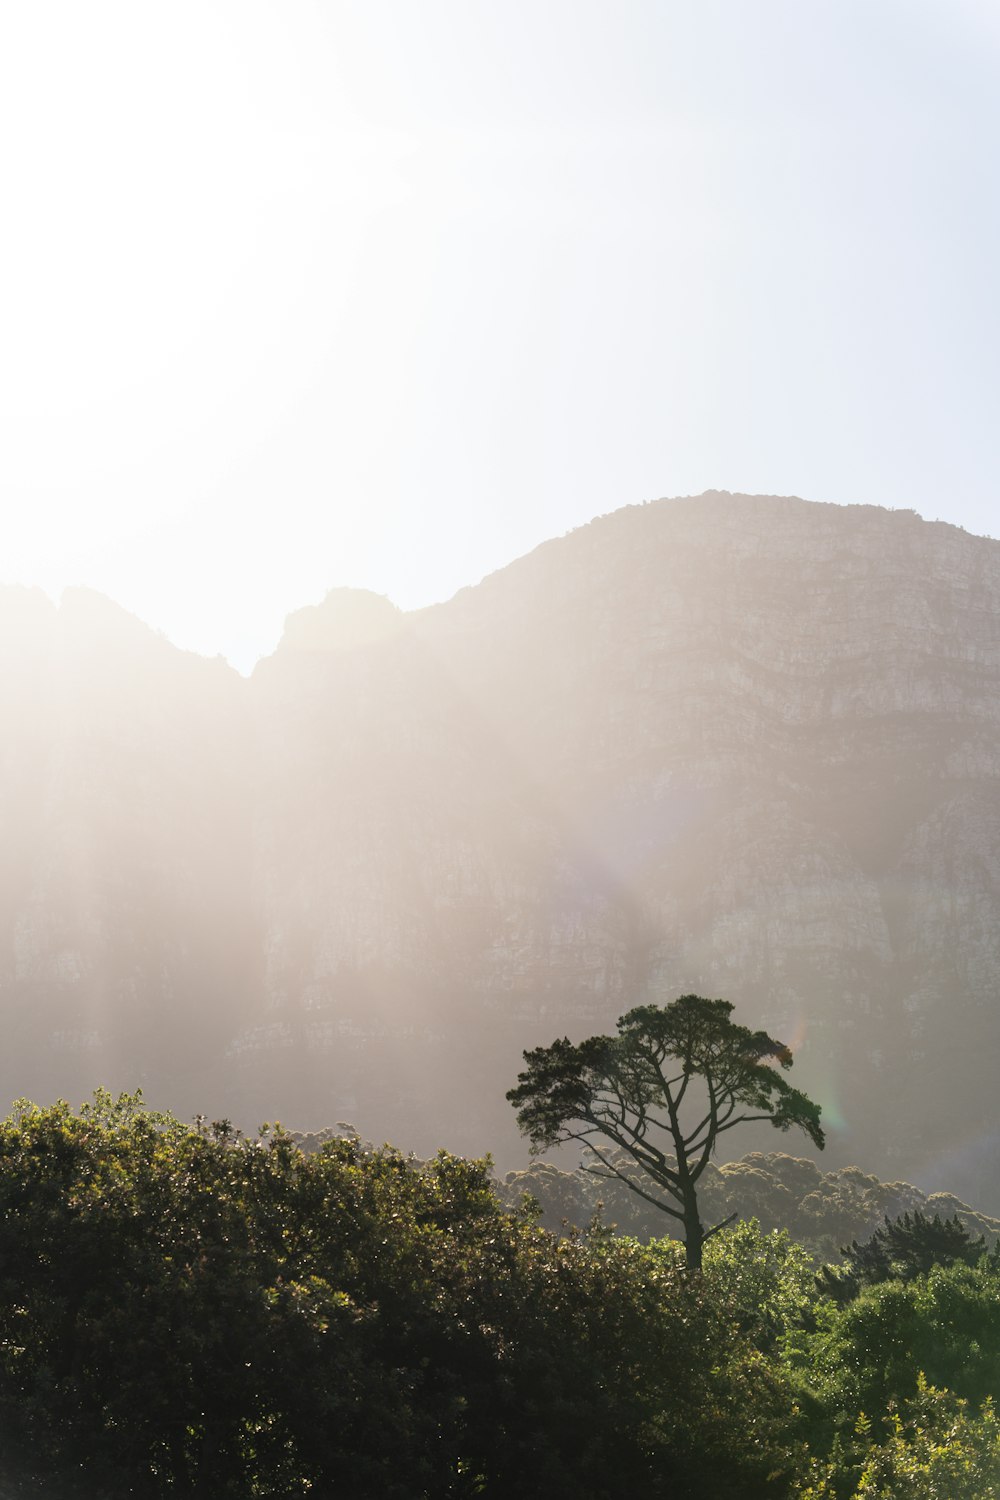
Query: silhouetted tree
pixel 663 1090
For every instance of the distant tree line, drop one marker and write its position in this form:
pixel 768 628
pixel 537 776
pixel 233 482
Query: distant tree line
pixel 824 1211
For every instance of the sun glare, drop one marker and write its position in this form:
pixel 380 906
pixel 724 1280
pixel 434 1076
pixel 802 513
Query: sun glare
pixel 193 201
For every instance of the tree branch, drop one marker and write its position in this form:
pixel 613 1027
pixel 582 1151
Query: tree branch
pixel 642 1153
pixel 722 1224
pixel 614 1172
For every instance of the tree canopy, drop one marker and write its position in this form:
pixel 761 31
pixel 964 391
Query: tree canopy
pixel 662 1091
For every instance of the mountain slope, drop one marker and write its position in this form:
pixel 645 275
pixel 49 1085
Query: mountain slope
pixel 745 746
pixel 738 745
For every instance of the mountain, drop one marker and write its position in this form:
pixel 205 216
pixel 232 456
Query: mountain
pixel 744 746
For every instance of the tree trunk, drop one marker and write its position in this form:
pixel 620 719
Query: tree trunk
pixel 694 1233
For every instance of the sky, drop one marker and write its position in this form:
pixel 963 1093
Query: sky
pixel 297 294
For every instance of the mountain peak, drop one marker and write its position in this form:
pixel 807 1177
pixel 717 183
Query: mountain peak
pixel 346 618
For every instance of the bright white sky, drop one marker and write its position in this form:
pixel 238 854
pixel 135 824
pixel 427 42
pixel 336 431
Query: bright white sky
pixel 296 293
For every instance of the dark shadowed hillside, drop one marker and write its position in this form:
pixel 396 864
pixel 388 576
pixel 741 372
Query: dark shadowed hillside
pixel 741 746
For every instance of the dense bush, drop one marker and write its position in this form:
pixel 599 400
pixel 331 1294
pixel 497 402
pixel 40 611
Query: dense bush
pixel 929 1447
pixel 945 1325
pixel 186 1312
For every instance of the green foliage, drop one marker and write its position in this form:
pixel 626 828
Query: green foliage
pixel 930 1447
pixel 850 1204
pixel 874 1351
pixel 765 1281
pixel 934 1447
pixel 660 1094
pixel 900 1250
pixel 185 1311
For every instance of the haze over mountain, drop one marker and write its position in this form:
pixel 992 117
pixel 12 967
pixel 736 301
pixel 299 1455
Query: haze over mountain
pixel 744 746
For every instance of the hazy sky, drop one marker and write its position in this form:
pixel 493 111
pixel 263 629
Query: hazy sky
pixel 301 294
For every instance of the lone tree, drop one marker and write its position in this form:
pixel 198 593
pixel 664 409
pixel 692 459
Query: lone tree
pixel 630 1091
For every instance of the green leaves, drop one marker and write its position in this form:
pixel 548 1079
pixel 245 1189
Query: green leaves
pixel 560 1083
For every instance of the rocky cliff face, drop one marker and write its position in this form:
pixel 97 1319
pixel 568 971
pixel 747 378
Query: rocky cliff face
pixel 127 929
pixel 742 746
